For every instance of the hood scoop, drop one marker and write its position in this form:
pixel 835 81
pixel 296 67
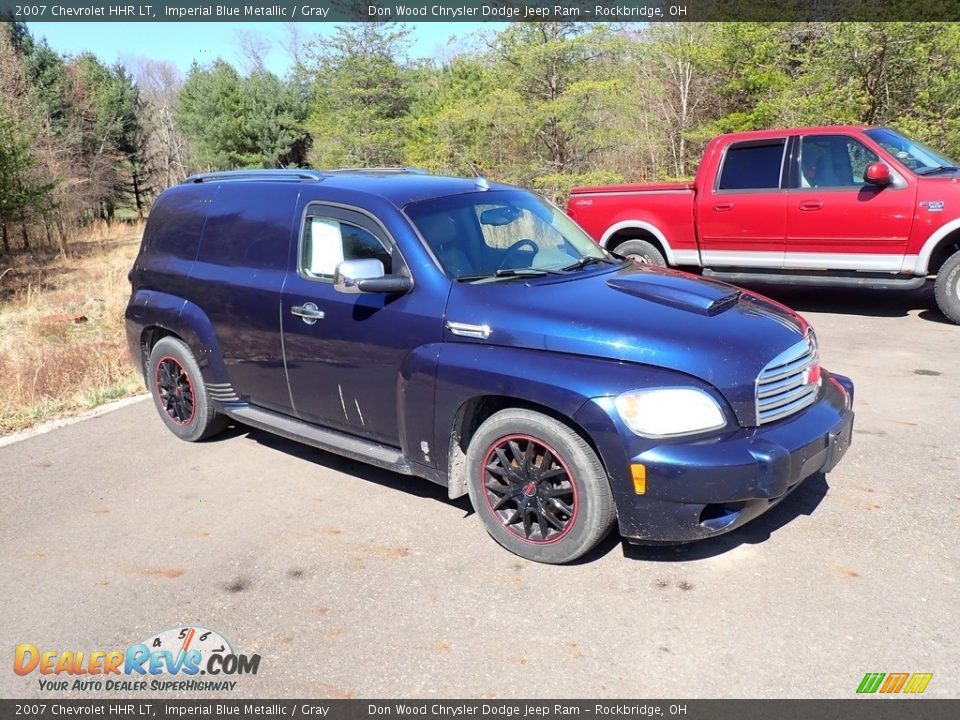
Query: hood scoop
pixel 677 290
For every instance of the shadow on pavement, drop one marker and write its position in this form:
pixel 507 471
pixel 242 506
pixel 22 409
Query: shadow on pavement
pixel 856 301
pixel 395 481
pixel 803 501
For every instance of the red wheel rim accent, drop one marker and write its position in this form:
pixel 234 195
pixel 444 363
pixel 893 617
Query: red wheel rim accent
pixel 528 487
pixel 174 390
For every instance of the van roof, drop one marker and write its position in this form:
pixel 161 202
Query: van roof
pixel 400 186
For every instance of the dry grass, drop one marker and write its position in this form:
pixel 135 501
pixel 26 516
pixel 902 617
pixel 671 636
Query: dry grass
pixel 62 342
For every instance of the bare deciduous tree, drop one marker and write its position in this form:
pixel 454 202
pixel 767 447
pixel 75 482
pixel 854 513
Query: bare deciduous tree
pixel 676 79
pixel 254 48
pixel 160 83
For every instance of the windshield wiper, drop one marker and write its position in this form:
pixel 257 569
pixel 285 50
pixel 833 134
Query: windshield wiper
pixel 938 168
pixel 587 260
pixel 507 272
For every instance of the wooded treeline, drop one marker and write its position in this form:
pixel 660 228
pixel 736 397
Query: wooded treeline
pixel 544 105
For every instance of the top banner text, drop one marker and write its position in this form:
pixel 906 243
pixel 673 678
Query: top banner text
pixel 482 11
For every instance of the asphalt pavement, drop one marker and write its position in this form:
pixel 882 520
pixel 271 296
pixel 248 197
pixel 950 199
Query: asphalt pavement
pixel 350 581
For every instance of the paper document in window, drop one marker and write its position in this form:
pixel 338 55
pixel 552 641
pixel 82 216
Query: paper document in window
pixel 326 246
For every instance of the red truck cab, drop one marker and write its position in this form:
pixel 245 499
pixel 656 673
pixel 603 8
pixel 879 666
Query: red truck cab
pixel 832 206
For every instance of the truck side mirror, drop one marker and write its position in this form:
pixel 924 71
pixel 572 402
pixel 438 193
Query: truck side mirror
pixel 367 276
pixel 878 174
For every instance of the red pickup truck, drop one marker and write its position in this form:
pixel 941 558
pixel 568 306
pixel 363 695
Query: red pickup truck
pixel 832 206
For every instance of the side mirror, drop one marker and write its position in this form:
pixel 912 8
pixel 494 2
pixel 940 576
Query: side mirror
pixel 367 276
pixel 878 173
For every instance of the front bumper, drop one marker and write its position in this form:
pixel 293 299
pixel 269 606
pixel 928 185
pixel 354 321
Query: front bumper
pixel 705 487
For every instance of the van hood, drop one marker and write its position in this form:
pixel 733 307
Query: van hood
pixel 641 314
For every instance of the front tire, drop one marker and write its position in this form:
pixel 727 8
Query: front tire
pixel 538 487
pixel 948 288
pixel 642 252
pixel 179 393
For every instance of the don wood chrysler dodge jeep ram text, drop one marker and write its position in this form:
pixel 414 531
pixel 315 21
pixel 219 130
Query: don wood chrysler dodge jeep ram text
pixel 471 334
pixel 828 206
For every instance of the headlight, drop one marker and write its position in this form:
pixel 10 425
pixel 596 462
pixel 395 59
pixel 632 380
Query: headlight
pixel 669 411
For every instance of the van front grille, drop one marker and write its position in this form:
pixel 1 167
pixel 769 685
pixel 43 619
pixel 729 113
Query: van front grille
pixel 790 382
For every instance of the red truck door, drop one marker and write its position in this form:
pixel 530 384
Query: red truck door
pixel 742 217
pixel 835 220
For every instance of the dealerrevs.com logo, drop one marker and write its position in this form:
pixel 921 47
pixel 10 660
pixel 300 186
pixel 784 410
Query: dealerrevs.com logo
pixel 172 660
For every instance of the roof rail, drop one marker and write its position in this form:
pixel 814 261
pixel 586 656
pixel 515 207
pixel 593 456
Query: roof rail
pixel 292 175
pixel 411 170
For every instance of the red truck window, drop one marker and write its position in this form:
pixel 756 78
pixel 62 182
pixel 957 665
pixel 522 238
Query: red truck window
pixel 752 166
pixel 833 161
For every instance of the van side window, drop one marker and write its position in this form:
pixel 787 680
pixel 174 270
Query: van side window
pixel 327 242
pixel 752 166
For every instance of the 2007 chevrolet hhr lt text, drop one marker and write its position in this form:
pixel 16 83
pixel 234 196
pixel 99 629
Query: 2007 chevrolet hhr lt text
pixel 471 334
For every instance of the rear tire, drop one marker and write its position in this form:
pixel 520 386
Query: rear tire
pixel 948 288
pixel 179 393
pixel 538 487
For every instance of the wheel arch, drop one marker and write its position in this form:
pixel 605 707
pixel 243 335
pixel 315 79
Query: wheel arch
pixel 155 314
pixel 474 411
pixel 150 335
pixel 620 232
pixel 938 247
pixel 945 249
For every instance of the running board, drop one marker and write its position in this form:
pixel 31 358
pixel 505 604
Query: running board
pixel 853 280
pixel 374 453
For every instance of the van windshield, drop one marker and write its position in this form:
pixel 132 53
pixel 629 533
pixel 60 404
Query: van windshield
pixel 502 233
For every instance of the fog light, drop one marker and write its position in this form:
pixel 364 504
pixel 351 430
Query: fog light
pixel 639 473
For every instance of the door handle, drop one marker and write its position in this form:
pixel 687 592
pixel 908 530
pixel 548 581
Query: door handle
pixel 812 205
pixel 309 312
pixel 723 207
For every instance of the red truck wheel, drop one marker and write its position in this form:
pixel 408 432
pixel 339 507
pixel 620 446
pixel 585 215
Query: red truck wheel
pixel 641 251
pixel 948 288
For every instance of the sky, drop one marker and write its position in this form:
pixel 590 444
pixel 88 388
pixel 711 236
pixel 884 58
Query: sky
pixel 181 43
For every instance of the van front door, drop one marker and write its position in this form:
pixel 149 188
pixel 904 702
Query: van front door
pixel 347 356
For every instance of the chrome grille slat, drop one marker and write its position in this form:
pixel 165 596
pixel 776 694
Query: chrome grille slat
pixel 793 353
pixel 795 395
pixel 783 388
pixel 788 397
pixel 786 370
pixel 786 410
pixel 775 388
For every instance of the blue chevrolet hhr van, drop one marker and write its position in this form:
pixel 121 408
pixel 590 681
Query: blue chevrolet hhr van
pixel 471 334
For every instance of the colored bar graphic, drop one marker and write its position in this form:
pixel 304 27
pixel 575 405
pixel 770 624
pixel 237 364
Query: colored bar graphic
pixel 894 682
pixel 870 682
pixel 918 682
pixel 914 683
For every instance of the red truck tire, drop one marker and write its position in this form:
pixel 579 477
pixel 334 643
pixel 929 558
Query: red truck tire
pixel 641 251
pixel 948 288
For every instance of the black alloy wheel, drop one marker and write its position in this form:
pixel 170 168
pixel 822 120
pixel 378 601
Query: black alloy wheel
pixel 179 392
pixel 538 486
pixel 175 391
pixel 530 489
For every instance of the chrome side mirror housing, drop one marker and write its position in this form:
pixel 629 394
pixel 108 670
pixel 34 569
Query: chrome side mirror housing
pixel 367 276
